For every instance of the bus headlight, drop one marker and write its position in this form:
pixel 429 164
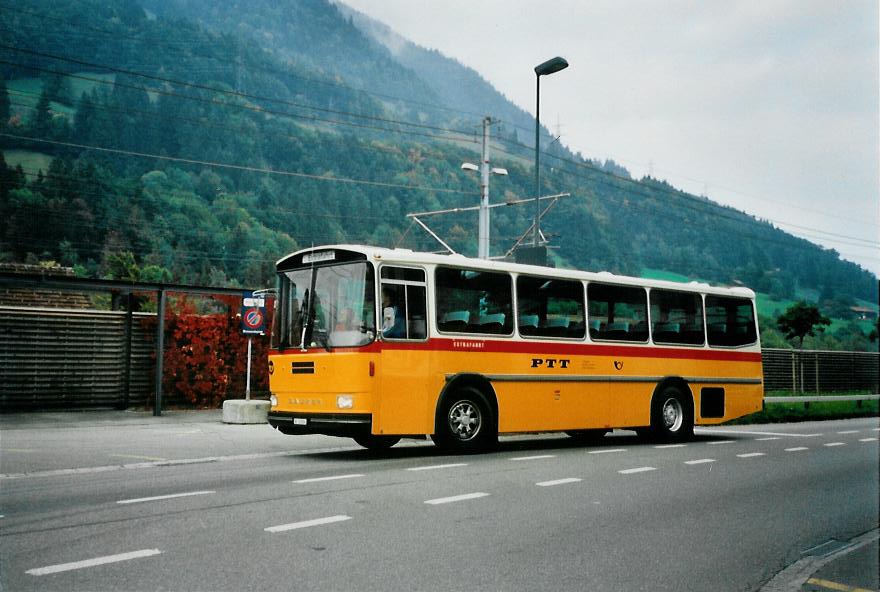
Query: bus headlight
pixel 344 401
pixel 273 401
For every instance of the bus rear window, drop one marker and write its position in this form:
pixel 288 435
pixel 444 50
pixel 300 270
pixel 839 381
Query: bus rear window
pixel 730 322
pixel 617 313
pixel 473 301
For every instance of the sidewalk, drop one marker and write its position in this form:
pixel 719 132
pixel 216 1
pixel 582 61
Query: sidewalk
pixel 852 571
pixel 34 443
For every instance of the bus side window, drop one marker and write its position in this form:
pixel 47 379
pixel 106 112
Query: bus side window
pixel 617 313
pixel 403 312
pixel 474 301
pixel 550 308
pixel 730 321
pixel 676 317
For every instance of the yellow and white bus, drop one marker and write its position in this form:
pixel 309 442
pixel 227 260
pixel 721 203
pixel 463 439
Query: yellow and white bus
pixel 379 344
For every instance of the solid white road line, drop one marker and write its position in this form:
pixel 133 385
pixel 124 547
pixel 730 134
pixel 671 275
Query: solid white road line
pixel 662 446
pixel 435 467
pixel 333 478
pixel 699 461
pixel 607 450
pixel 163 497
pixel 637 470
pixel 767 439
pixel 830 444
pixel 558 482
pixel 51 569
pixel 734 431
pixel 536 457
pixel 308 523
pixel 456 498
pixel 751 454
pixel 796 449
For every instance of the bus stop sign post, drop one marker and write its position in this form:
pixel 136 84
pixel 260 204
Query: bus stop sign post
pixel 253 322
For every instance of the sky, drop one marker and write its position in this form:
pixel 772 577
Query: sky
pixel 770 106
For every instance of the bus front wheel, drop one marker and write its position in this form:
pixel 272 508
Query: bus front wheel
pixel 465 422
pixel 371 442
pixel 672 415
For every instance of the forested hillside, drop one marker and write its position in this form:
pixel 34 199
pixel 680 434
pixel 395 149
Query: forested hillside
pixel 198 142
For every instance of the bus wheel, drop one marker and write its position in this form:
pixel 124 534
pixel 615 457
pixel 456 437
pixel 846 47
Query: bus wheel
pixel 587 436
pixel 464 422
pixel 672 416
pixel 372 442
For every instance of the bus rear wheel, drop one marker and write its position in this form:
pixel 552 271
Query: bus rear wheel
pixel 465 422
pixel 372 442
pixel 672 415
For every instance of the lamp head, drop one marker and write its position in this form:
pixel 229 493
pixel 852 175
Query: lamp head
pixel 467 166
pixel 551 66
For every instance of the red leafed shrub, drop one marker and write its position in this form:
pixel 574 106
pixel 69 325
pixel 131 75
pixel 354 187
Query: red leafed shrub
pixel 205 358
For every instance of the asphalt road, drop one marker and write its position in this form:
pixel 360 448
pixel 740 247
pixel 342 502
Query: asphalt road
pixel 126 502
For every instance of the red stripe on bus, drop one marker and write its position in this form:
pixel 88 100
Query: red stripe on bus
pixel 469 344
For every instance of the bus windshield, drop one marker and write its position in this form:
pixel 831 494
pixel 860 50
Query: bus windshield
pixel 327 306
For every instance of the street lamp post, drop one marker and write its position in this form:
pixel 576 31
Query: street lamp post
pixel 549 67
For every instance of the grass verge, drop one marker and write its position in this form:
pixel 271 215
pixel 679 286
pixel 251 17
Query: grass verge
pixel 814 411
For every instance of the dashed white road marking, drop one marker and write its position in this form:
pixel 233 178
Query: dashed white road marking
pixel 308 523
pixel 51 569
pixel 849 432
pixel 637 470
pixel 456 498
pixel 767 439
pixel 699 461
pixel 662 446
pixel 796 449
pixel 751 454
pixel 867 439
pixel 436 467
pixel 558 482
pixel 536 457
pixel 163 497
pixel 830 444
pixel 717 442
pixel 607 450
pixel 331 478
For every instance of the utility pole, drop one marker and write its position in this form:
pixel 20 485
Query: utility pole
pixel 483 241
pixel 485 171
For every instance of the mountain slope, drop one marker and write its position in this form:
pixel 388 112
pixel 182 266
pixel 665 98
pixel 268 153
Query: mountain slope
pixel 210 139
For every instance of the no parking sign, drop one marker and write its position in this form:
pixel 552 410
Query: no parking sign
pixel 253 315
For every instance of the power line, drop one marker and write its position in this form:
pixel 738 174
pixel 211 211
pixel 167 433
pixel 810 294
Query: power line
pixel 192 122
pixel 239 167
pixel 233 93
pixel 163 42
pixel 671 191
pixel 258 110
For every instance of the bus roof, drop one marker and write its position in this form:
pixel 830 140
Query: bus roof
pixel 408 256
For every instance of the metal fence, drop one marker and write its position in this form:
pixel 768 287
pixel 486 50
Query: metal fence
pixel 51 358
pixel 812 371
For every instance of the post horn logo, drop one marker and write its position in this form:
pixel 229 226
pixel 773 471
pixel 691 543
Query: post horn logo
pixel 618 365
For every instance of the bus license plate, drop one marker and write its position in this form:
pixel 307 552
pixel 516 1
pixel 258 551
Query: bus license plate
pixel 300 421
